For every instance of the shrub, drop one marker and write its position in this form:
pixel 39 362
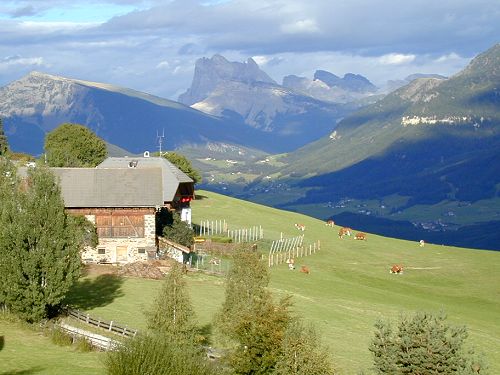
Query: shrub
pixel 84 345
pixel 61 338
pixel 156 354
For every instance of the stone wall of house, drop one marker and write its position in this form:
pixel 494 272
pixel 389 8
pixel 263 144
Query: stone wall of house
pixel 123 250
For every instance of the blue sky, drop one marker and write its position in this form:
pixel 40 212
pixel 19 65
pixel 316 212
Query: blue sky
pixel 152 45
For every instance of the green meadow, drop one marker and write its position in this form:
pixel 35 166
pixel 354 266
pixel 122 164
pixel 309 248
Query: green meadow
pixel 348 289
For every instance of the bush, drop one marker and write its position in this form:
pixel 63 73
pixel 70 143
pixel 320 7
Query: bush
pixel 84 345
pixel 220 239
pixel 61 338
pixel 155 354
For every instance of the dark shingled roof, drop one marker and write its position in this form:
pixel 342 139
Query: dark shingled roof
pixel 171 175
pixel 122 182
pixel 92 187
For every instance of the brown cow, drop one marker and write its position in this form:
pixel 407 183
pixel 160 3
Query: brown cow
pixel 305 269
pixel 301 227
pixel 344 231
pixel 360 236
pixel 397 268
pixel 330 223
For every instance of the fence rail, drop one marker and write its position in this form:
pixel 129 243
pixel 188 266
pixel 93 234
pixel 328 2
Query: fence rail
pixel 99 323
pixel 98 341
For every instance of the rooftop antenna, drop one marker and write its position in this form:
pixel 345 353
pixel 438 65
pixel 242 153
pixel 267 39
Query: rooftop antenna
pixel 160 140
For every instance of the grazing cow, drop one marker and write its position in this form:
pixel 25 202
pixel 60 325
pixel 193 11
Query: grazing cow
pixel 301 227
pixel 305 269
pixel 397 268
pixel 330 223
pixel 344 231
pixel 360 236
pixel 422 243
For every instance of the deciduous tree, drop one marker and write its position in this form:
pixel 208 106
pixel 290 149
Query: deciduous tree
pixel 183 163
pixel 302 352
pixel 250 317
pixel 73 145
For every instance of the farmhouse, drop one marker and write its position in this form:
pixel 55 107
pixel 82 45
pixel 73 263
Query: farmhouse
pixel 122 197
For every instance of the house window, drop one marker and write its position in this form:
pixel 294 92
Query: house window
pixel 101 251
pixel 120 226
pixel 141 250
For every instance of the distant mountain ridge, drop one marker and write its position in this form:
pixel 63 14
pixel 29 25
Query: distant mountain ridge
pixel 38 102
pixel 329 87
pixel 244 92
pixel 393 85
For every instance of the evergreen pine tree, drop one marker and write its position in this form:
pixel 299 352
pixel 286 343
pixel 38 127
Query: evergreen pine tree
pixel 4 146
pixel 40 246
pixel 423 344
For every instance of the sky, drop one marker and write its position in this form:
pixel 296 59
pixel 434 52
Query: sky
pixel 153 45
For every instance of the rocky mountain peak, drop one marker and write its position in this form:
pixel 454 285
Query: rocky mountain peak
pixel 209 73
pixel 329 78
pixel 350 82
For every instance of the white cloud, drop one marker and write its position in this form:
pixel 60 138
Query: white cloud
pixel 154 47
pixel 396 59
pixel 449 57
pixel 261 60
pixel 19 60
pixel 163 65
pixel 300 27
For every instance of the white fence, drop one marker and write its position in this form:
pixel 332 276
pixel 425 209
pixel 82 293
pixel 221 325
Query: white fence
pixel 286 249
pixel 98 341
pixel 220 227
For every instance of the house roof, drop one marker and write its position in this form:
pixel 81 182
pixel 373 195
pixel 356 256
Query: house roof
pixel 92 187
pixel 123 182
pixel 171 175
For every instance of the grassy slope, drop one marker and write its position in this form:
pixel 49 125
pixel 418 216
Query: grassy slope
pixel 29 352
pixel 350 286
pixel 348 289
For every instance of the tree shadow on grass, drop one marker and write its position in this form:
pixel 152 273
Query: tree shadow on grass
pixel 95 292
pixel 29 371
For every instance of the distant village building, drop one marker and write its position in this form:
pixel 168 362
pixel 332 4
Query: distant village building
pixel 122 196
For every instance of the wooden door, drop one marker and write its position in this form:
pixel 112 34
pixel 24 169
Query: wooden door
pixel 121 253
